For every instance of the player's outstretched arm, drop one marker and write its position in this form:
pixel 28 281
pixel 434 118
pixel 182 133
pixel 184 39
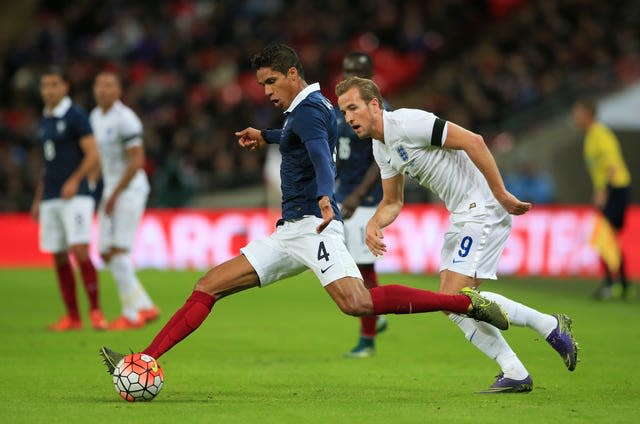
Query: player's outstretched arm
pixel 512 204
pixel 473 144
pixel 250 138
pixel 387 211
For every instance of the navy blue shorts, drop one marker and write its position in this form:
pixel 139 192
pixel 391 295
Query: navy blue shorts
pixel 617 203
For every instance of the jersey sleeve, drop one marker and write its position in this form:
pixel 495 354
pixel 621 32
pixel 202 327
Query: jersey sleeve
pixel 311 123
pixel 608 150
pixel 311 127
pixel 383 159
pixel 426 129
pixel 271 136
pixel 92 118
pixel 321 159
pixel 80 123
pixel 130 129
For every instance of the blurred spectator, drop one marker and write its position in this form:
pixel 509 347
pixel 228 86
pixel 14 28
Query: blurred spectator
pixel 184 63
pixel 531 184
pixel 534 62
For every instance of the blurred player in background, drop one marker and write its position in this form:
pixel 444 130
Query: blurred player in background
pixel 611 180
pixel 63 203
pixel 457 166
pixel 126 188
pixel 310 233
pixel 358 192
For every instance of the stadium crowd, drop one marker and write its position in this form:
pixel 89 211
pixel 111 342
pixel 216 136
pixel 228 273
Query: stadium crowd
pixel 184 65
pixel 541 59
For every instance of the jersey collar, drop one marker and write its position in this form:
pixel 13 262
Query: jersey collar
pixel 60 109
pixel 385 115
pixel 303 95
pixel 115 105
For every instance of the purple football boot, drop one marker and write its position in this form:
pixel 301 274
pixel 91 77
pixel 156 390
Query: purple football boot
pixel 563 342
pixel 508 385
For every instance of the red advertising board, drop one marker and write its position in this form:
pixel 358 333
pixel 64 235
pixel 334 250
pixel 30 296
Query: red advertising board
pixel 548 241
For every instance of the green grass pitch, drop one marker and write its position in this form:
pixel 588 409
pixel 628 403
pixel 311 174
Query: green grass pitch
pixel 274 355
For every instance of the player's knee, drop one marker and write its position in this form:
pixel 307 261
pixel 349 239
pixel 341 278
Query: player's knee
pixel 61 258
pixel 112 253
pixel 449 289
pixel 350 309
pixel 452 283
pixel 80 252
pixel 351 297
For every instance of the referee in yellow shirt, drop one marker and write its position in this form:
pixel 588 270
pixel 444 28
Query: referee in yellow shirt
pixel 610 177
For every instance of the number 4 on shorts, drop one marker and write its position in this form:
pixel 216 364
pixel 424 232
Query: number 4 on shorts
pixel 322 252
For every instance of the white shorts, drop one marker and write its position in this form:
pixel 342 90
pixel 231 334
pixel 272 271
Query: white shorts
pixel 354 234
pixel 119 229
pixel 65 223
pixel 474 243
pixel 295 246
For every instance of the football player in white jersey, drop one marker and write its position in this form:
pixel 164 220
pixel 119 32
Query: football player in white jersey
pixel 126 188
pixel 457 166
pixel 358 192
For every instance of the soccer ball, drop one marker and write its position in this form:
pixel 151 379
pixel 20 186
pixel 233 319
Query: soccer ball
pixel 138 377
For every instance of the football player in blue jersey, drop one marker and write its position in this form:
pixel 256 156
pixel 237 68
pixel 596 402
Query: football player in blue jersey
pixel 358 192
pixel 310 233
pixel 63 203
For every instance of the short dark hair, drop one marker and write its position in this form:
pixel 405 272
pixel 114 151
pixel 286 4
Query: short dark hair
pixel 112 73
pixel 361 64
pixel 278 57
pixel 55 70
pixel 587 104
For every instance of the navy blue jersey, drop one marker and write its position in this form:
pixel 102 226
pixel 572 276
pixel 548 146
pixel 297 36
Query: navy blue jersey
pixel 307 142
pixel 60 135
pixel 354 158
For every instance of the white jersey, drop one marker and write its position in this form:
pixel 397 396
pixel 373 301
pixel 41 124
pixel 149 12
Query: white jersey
pixel 116 130
pixel 414 146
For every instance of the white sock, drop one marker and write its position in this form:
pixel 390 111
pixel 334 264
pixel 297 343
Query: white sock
pixel 489 340
pixel 132 295
pixel 524 316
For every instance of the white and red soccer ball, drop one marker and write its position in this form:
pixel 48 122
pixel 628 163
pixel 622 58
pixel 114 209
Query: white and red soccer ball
pixel 138 377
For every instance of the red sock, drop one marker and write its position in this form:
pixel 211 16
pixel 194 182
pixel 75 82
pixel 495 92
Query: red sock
pixel 182 323
pixel 90 280
pixel 369 276
pixel 397 299
pixel 67 284
pixel 368 323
